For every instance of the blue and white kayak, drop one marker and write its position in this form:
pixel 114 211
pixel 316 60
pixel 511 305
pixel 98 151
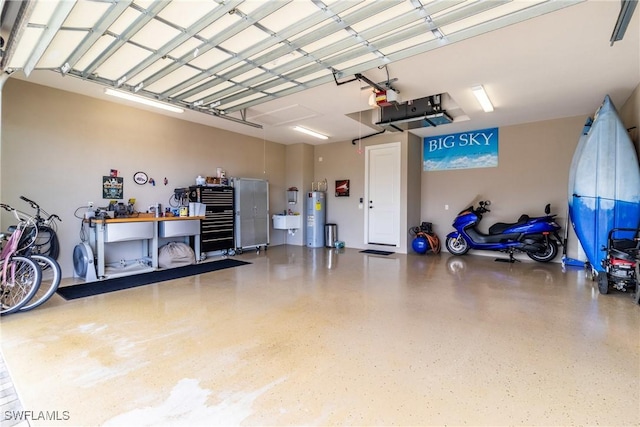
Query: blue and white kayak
pixel 605 181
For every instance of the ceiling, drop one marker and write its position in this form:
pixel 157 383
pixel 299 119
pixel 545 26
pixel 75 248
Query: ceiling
pixel 259 68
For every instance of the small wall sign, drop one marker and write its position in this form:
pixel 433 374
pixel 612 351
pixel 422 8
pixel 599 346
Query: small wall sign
pixel 342 188
pixel 112 187
pixel 140 178
pixel 464 150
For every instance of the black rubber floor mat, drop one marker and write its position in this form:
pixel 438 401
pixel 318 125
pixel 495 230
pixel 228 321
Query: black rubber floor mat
pixel 135 280
pixel 376 252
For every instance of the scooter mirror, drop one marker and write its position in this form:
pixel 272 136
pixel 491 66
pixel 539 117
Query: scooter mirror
pixel 547 209
pixel 487 203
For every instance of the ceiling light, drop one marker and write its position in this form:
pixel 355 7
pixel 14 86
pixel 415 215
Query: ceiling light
pixel 310 132
pixel 483 99
pixel 141 100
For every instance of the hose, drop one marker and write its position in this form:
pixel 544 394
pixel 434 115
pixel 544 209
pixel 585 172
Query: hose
pixel 432 239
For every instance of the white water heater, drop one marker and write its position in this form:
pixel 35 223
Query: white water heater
pixel 315 218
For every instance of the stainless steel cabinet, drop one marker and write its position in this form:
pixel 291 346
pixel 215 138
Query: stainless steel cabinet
pixel 252 213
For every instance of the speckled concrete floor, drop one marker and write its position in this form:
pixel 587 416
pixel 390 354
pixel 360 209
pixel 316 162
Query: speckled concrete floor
pixel 314 337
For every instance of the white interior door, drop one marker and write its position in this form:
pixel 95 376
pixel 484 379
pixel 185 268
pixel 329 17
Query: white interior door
pixel 382 191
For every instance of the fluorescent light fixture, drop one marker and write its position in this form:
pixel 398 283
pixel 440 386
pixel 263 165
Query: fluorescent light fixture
pixel 482 98
pixel 145 101
pixel 310 132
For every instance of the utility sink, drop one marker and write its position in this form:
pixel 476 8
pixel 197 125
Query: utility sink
pixel 287 222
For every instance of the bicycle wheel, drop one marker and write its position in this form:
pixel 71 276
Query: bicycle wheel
pixel 51 276
pixel 19 284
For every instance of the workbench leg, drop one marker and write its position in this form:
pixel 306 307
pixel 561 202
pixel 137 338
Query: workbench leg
pixel 100 229
pixel 196 247
pixel 154 246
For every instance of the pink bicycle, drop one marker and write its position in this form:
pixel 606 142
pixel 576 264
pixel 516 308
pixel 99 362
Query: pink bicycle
pixel 19 276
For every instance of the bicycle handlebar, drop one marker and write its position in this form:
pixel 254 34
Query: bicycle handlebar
pixel 33 204
pixel 54 216
pixel 40 211
pixel 19 215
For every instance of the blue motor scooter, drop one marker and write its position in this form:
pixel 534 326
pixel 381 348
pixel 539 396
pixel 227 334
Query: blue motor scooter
pixel 537 237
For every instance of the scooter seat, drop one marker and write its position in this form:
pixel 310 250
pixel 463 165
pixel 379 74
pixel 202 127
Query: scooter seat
pixel 500 227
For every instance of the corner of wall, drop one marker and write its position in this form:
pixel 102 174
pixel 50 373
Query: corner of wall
pixel 299 167
pixel 414 185
pixel 630 115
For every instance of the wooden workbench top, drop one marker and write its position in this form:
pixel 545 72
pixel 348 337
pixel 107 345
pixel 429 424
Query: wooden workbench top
pixel 146 218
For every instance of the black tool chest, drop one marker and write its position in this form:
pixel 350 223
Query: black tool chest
pixel 217 228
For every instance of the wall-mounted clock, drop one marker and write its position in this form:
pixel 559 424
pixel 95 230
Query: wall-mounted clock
pixel 140 178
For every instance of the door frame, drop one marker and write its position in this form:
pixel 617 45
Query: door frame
pixel 398 146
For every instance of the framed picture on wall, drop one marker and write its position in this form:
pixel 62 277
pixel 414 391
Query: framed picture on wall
pixel 112 187
pixel 342 188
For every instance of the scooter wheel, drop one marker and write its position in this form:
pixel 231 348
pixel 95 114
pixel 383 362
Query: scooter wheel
pixel 457 245
pixel 549 253
pixel 603 283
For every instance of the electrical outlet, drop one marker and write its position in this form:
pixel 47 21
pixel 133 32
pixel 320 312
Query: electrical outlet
pixel 90 204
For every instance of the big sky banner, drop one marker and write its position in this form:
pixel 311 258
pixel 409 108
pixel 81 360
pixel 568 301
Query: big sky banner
pixel 464 150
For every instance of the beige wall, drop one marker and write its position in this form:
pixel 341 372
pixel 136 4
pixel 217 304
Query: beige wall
pixel 630 115
pixel 414 175
pixel 343 160
pixel 533 170
pixel 56 146
pixel 299 174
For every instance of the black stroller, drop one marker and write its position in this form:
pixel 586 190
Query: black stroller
pixel 621 263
